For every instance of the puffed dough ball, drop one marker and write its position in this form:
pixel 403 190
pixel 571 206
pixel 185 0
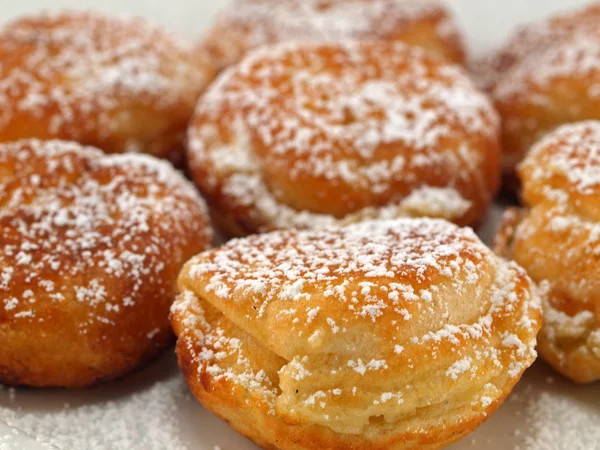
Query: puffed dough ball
pixel 383 335
pixel 249 24
pixel 311 134
pixel 90 248
pixel 119 84
pixel 557 240
pixel 548 75
pixel 532 39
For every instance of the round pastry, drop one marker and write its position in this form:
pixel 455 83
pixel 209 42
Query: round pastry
pixel 382 335
pixel 90 249
pixel 531 40
pixel 550 78
pixel 309 134
pixel 119 84
pixel 557 240
pixel 249 24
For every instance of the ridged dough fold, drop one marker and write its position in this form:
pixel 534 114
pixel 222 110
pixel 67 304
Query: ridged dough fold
pixel 383 335
pixel 556 238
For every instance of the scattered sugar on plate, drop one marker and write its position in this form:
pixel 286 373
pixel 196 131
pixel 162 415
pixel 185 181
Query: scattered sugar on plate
pixel 146 420
pixel 554 422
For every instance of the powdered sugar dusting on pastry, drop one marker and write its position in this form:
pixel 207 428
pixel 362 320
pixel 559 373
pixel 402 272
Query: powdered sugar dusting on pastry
pixel 249 24
pixel 436 202
pixel 370 122
pixel 531 40
pixel 577 57
pixel 328 19
pixel 85 76
pixel 373 249
pixel 561 183
pixel 69 212
pixel 355 304
pixel 572 153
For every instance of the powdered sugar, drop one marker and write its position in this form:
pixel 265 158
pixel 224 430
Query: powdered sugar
pixel 545 413
pixel 458 368
pixel 555 421
pixel 436 202
pixel 561 183
pixel 249 24
pixel 141 421
pixel 531 40
pixel 571 152
pixel 385 276
pixel 416 248
pixel 87 220
pixel 75 75
pixel 367 120
pixel 577 57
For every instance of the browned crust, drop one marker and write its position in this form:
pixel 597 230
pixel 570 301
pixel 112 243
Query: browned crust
pixel 113 83
pixel 68 317
pixel 232 36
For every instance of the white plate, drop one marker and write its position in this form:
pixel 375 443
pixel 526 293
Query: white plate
pixel 152 410
pixel 545 412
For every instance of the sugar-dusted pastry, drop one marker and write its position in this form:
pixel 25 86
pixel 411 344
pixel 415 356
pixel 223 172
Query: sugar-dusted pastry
pixel 90 248
pixel 546 76
pixel 248 24
pixel 532 39
pixel 383 335
pixel 310 134
pixel 116 83
pixel 557 240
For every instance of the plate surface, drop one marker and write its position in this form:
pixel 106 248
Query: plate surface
pixel 153 410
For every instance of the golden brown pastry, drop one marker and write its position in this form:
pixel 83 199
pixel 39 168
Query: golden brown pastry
pixel 119 84
pixel 383 335
pixel 531 40
pixel 310 134
pixel 249 24
pixel 546 76
pixel 557 240
pixel 90 248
